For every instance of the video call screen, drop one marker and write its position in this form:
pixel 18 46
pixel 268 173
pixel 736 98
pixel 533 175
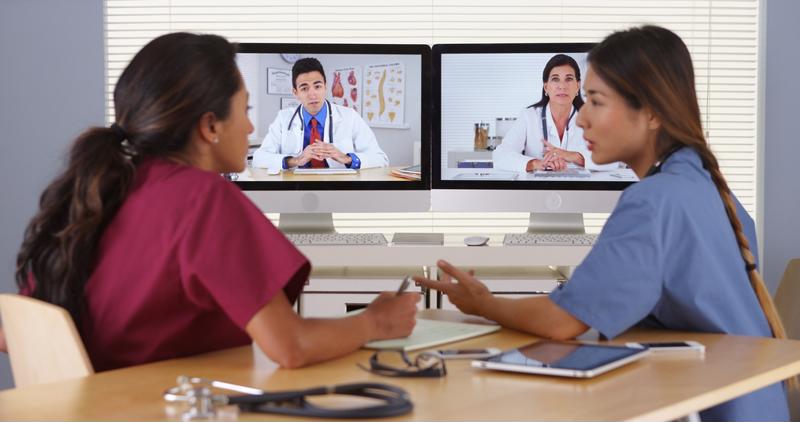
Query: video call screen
pixel 491 127
pixel 372 102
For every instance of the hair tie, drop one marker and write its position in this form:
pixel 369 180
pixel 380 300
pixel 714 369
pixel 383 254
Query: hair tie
pixel 121 134
pixel 749 267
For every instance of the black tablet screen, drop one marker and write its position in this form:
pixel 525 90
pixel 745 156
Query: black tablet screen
pixel 554 354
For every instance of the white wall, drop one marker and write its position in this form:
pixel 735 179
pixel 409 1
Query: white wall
pixel 781 213
pixel 52 87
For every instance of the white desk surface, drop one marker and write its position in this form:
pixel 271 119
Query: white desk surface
pixel 454 250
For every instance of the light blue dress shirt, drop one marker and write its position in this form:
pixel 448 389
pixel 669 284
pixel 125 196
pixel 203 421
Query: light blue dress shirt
pixel 667 257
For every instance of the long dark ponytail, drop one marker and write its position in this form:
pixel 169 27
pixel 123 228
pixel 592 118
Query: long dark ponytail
pixel 158 100
pixel 651 67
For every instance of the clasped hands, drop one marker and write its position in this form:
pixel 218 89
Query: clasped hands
pixel 320 151
pixel 553 158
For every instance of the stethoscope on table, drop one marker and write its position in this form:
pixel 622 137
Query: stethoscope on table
pixel 297 113
pixel 196 392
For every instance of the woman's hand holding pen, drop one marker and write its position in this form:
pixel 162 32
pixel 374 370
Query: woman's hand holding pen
pixel 392 315
pixel 468 293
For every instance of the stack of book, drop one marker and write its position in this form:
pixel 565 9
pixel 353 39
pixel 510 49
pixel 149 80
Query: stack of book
pixel 410 173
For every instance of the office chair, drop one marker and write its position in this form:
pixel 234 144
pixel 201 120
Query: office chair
pixel 43 343
pixel 787 300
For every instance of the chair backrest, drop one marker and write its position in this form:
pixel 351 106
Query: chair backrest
pixel 787 299
pixel 43 343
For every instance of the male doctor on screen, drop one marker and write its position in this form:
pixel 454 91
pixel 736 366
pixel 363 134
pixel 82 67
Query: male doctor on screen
pixel 317 134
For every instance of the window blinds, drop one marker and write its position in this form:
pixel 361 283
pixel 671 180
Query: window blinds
pixel 722 37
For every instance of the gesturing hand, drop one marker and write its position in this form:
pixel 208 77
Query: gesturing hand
pixel 468 293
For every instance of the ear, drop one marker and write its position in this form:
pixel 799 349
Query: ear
pixel 653 121
pixel 208 127
pixel 294 92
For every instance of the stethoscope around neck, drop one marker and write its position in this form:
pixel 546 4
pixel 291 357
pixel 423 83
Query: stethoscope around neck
pixel 298 114
pixel 544 124
pixel 656 168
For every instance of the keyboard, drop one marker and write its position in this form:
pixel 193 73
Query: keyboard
pixel 316 239
pixel 325 171
pixel 570 172
pixel 549 239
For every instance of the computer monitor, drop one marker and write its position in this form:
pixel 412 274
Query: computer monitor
pixel 375 114
pixel 487 129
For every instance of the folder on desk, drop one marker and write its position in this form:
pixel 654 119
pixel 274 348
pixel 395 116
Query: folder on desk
pixel 429 333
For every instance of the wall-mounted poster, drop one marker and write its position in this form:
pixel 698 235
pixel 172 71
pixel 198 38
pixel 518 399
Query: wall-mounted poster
pixel 279 81
pixel 346 88
pixel 384 95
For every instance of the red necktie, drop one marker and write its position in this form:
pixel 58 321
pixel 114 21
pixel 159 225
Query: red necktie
pixel 316 138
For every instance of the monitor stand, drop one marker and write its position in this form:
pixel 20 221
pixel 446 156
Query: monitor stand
pixel 556 223
pixel 306 223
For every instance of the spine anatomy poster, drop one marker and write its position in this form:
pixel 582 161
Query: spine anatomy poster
pixel 384 95
pixel 346 88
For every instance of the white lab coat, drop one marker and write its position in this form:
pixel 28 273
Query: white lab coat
pixel 350 135
pixel 523 142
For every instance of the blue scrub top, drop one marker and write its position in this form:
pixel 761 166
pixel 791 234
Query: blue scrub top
pixel 667 257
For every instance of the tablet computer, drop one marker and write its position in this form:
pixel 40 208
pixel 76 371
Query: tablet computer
pixel 565 359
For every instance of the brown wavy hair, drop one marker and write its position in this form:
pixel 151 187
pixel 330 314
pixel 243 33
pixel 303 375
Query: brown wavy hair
pixel 159 98
pixel 651 68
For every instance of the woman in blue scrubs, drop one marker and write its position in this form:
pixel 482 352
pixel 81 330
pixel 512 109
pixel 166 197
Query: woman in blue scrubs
pixel 678 250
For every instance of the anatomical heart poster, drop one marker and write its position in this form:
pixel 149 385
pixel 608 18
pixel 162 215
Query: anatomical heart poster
pixel 384 95
pixel 346 88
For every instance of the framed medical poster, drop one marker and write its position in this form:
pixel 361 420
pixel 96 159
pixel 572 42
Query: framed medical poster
pixel 384 95
pixel 289 102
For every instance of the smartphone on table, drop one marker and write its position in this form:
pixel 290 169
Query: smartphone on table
pixel 465 353
pixel 670 346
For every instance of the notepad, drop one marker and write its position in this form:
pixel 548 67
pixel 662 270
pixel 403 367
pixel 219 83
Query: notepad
pixel 429 333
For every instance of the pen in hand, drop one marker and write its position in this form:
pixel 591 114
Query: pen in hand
pixel 404 285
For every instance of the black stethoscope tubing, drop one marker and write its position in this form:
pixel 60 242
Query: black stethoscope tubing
pixel 393 401
pixel 656 168
pixel 303 124
pixel 544 124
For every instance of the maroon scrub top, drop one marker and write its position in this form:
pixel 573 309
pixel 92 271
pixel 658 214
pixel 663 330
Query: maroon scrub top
pixel 182 268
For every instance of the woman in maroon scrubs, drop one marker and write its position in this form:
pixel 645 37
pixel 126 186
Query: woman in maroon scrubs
pixel 154 254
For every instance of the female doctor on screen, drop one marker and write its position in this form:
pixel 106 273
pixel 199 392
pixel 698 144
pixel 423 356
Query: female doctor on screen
pixel 545 136
pixel 678 252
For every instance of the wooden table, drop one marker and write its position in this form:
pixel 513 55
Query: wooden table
pixel 654 388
